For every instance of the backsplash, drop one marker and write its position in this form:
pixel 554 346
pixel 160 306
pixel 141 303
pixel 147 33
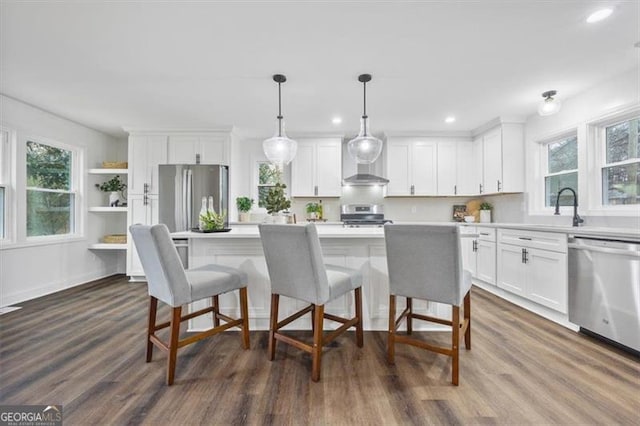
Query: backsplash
pixel 507 208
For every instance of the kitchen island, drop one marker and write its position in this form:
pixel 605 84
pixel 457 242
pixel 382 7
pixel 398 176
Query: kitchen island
pixel 358 248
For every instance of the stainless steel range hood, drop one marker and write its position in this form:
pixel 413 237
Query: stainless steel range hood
pixel 362 174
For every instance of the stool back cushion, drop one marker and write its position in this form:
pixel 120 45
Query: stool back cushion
pixel 294 261
pixel 424 262
pixel 161 263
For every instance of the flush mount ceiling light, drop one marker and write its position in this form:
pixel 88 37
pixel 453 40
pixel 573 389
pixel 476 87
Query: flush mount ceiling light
pixel 364 148
pixel 279 149
pixel 549 104
pixel 599 15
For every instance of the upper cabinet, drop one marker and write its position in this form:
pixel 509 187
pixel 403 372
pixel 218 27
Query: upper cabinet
pixel 316 171
pixel 199 149
pixel 411 167
pixel 146 152
pixel 455 168
pixel 499 157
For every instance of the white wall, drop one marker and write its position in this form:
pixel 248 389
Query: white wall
pixel 618 93
pixel 26 270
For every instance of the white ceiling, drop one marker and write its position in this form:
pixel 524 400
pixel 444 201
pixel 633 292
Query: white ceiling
pixel 207 64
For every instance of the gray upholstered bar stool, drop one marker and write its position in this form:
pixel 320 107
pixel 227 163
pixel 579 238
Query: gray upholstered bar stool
pixel 296 270
pixel 172 284
pixel 424 262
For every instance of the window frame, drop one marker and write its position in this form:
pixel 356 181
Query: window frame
pixel 542 172
pixel 7 182
pixel 76 184
pixel 596 135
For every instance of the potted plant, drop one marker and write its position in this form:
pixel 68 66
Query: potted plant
pixel 212 221
pixel 485 212
pixel 313 211
pixel 244 204
pixel 275 202
pixel 113 186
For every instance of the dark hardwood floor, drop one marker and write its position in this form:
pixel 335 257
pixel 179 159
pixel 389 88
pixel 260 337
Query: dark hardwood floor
pixel 84 348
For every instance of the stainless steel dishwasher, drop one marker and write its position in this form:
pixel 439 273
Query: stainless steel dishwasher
pixel 604 288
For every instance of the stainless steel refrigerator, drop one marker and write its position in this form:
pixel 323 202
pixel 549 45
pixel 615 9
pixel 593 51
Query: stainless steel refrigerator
pixel 181 189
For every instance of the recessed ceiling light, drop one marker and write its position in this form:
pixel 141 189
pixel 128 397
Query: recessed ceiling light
pixel 336 120
pixel 599 15
pixel 450 119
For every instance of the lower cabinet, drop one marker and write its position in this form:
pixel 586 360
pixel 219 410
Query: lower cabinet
pixel 144 210
pixel 479 253
pixel 536 274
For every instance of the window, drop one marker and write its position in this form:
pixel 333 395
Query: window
pixel 561 170
pixel 4 180
pixel 268 176
pixel 51 194
pixel 621 169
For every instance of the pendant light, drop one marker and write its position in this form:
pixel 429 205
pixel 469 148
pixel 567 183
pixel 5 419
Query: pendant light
pixel 279 149
pixel 549 104
pixel 365 148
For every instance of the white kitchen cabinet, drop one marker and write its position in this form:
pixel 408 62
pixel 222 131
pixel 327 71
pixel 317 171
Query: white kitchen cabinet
pixel 447 168
pixel 146 152
pixel 499 159
pixel 537 274
pixel 316 171
pixel 199 149
pixel 411 167
pixel 142 209
pixel 479 253
pixel 455 167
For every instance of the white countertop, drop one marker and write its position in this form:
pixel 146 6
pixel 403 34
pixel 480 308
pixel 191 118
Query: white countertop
pixel 338 231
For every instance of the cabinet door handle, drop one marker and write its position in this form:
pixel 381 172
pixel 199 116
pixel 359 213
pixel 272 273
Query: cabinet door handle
pixel 480 188
pixel 144 200
pixel 315 190
pixel 197 158
pixel 475 245
pixel 455 189
pixel 525 238
pixel 413 189
pixel 526 256
pixel 484 233
pixel 499 185
pixel 523 256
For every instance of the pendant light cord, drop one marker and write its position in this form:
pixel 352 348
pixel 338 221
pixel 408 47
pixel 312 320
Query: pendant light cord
pixel 364 114
pixel 279 110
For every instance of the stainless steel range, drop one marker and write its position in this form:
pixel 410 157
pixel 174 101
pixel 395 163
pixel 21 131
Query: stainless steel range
pixel 360 215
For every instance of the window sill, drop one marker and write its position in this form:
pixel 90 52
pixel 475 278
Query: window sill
pixel 39 241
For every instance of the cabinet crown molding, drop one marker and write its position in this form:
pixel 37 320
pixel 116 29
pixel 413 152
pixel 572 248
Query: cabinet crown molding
pixel 177 131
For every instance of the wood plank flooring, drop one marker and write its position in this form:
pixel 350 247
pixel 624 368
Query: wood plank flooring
pixel 84 348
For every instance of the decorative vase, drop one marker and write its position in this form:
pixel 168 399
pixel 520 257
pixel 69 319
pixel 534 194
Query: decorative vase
pixel 244 217
pixel 114 199
pixel 485 216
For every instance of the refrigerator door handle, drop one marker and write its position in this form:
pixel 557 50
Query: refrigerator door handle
pixel 189 200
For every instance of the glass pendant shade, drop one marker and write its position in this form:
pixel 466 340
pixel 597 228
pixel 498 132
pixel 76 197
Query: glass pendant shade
pixel 549 104
pixel 279 149
pixel 364 148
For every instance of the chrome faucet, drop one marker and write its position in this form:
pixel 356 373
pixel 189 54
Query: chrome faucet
pixel 577 220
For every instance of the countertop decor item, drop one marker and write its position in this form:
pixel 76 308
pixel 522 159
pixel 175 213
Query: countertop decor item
pixel 276 201
pixel 364 148
pixel 314 211
pixel 459 212
pixel 485 212
pixel 244 204
pixel 469 219
pixel 280 149
pixel 212 221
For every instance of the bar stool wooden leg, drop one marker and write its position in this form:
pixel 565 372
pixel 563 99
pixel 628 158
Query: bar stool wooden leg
pixel 409 313
pixel 244 311
pixel 173 344
pixel 392 330
pixel 316 354
pixel 359 332
pixel 467 317
pixel 153 308
pixel 313 320
pixel 216 310
pixel 273 327
pixel 455 339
